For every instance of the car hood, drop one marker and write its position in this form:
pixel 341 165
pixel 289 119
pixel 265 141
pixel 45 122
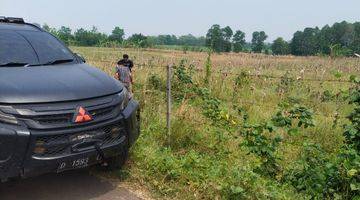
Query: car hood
pixel 43 84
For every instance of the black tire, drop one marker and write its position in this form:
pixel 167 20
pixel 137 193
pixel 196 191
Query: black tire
pixel 117 162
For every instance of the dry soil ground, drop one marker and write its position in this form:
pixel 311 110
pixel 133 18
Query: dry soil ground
pixel 75 185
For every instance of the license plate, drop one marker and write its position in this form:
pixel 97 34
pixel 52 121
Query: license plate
pixel 74 164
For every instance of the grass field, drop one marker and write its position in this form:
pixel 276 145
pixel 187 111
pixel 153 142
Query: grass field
pixel 212 154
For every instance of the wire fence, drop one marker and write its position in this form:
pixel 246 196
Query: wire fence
pixel 226 73
pixel 334 116
pixel 229 73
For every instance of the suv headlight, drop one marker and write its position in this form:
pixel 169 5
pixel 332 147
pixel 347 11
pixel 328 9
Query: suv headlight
pixel 7 118
pixel 125 96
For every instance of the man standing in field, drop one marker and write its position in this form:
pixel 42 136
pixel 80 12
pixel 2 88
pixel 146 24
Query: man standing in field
pixel 126 62
pixel 123 74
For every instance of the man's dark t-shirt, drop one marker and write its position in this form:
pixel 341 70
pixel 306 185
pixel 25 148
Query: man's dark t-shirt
pixel 127 63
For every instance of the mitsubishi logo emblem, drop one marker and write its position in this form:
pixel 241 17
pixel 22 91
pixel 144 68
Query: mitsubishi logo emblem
pixel 81 115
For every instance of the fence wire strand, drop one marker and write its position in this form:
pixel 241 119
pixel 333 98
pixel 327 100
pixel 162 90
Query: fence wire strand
pixel 300 78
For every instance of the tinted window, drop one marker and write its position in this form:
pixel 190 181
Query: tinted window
pixel 47 47
pixel 14 48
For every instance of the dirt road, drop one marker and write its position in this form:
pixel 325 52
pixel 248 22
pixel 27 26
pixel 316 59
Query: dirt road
pixel 77 185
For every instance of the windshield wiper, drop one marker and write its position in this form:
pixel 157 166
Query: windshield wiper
pixel 60 61
pixel 13 64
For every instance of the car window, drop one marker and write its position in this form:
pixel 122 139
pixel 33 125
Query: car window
pixel 47 47
pixel 15 48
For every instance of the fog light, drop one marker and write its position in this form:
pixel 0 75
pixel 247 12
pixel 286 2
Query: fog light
pixel 115 132
pixel 39 150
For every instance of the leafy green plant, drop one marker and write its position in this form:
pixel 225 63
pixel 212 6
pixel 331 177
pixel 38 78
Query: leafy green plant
pixel 212 109
pixel 352 131
pixel 182 82
pixel 320 176
pixel 294 118
pixel 257 140
pixel 351 153
pixel 314 173
pixel 156 83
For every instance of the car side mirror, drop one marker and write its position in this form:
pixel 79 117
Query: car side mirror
pixel 80 57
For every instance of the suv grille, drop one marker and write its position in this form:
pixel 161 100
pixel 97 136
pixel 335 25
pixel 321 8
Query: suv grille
pixel 57 119
pixel 59 115
pixel 63 144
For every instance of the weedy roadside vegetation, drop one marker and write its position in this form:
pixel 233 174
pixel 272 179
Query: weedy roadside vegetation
pixel 244 126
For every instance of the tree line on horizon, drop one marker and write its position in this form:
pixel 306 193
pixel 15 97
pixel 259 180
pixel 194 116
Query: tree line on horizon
pixel 92 37
pixel 340 39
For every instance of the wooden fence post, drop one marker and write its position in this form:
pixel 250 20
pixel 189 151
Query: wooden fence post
pixel 168 95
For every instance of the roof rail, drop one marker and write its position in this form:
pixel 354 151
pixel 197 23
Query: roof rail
pixel 12 20
pixel 17 20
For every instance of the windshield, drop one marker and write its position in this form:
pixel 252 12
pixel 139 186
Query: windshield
pixel 31 47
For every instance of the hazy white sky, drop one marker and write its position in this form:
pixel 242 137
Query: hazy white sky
pixel 153 17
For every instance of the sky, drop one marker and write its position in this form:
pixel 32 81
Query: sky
pixel 278 18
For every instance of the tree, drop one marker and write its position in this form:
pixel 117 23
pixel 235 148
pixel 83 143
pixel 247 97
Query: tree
pixel 340 39
pixel 355 46
pixel 166 40
pixel 326 40
pixel 296 43
pixel 117 35
pixel 219 39
pixel 64 34
pixel 139 40
pixel 306 43
pixel 344 33
pixel 311 41
pixel 190 40
pixel 280 47
pixel 239 41
pixel 257 42
pixel 50 29
pixel 89 38
pixel 227 34
pixel 214 38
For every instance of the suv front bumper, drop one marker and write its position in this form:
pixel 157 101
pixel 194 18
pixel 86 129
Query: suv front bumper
pixel 18 144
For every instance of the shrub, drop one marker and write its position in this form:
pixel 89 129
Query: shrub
pixel 260 142
pixel 314 173
pixel 156 83
pixel 182 82
pixel 319 176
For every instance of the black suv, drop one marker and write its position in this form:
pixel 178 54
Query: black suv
pixel 56 112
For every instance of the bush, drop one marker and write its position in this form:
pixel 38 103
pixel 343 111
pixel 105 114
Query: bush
pixel 319 176
pixel 156 83
pixel 314 173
